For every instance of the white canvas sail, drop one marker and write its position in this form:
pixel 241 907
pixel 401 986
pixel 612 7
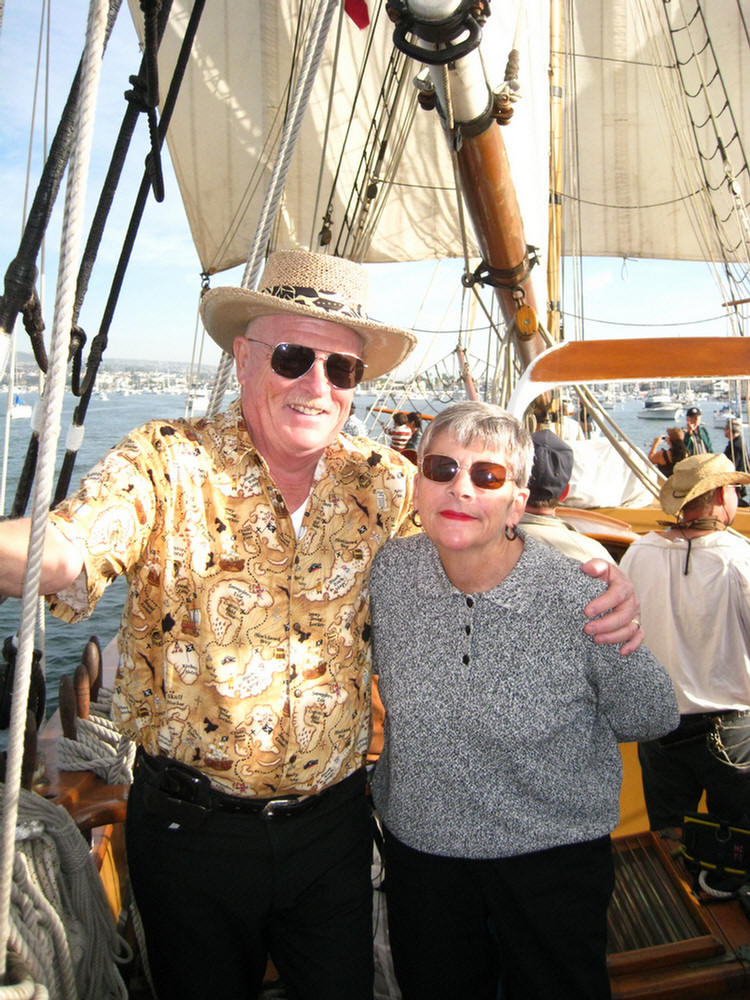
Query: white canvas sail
pixel 228 118
pixel 635 184
pixel 642 181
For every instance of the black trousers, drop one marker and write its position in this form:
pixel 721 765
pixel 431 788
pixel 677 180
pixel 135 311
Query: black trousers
pixel 533 926
pixel 677 768
pixel 218 897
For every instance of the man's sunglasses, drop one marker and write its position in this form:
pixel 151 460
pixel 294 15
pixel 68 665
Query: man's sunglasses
pixel 343 371
pixel 484 475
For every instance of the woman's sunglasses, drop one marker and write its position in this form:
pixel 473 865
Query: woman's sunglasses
pixel 291 361
pixel 484 475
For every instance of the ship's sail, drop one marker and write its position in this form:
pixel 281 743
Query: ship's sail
pixel 369 163
pixel 649 171
pixel 656 158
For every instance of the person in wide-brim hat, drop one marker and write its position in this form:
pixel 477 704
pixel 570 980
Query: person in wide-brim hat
pixel 320 286
pixel 696 475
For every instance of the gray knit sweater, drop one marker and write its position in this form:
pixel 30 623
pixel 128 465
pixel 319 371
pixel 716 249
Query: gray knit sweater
pixel 502 716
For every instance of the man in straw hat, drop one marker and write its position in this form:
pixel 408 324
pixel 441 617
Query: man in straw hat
pixel 693 580
pixel 244 670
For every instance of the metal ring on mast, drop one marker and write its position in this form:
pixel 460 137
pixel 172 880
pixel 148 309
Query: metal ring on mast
pixel 461 23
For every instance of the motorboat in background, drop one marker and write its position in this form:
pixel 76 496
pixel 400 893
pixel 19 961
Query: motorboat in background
pixel 658 404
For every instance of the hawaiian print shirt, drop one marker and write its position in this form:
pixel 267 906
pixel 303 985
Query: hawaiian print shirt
pixel 244 650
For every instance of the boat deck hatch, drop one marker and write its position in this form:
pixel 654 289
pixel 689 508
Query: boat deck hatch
pixel 661 940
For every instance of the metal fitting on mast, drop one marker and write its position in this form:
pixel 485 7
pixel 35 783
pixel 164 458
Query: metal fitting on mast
pixel 448 30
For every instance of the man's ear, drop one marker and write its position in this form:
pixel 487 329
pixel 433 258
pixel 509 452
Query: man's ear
pixel 240 349
pixel 564 493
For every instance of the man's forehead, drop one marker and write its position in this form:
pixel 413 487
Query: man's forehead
pixel 308 331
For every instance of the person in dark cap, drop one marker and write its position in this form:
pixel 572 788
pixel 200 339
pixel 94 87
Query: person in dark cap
pixel 548 486
pixel 697 440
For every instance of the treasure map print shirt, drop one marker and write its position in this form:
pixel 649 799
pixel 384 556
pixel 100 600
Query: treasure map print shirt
pixel 244 651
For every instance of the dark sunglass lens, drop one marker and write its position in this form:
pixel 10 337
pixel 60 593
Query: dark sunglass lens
pixel 488 475
pixel 440 468
pixel 292 360
pixel 344 371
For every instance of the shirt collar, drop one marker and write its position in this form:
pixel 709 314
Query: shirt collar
pixel 511 593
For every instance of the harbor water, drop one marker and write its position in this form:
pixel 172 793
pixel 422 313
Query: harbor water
pixel 109 420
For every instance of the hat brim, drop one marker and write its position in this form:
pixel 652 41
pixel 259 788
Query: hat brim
pixel 227 311
pixel 671 503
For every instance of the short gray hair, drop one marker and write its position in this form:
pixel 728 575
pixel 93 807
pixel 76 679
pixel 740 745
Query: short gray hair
pixel 488 424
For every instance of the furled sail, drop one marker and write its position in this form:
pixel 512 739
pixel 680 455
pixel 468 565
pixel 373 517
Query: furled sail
pixel 649 172
pixel 371 165
pixel 656 161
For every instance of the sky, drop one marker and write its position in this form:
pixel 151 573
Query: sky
pixel 156 318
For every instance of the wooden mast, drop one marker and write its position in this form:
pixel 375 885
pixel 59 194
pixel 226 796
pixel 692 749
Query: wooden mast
pixel 445 34
pixel 490 197
pixel 554 243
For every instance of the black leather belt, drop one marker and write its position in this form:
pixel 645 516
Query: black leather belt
pixel 185 793
pixel 698 724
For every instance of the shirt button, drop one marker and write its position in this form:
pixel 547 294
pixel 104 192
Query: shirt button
pixel 297 693
pixel 469 602
pixel 466 659
pixel 468 629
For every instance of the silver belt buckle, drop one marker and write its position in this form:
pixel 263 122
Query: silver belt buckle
pixel 274 806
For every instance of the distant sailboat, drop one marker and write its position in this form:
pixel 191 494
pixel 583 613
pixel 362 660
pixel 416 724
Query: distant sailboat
pixel 19 409
pixel 724 413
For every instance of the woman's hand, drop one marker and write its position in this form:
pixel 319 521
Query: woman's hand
pixel 619 605
pixel 656 455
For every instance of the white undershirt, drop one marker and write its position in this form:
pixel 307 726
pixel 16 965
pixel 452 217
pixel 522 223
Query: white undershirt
pixel 297 516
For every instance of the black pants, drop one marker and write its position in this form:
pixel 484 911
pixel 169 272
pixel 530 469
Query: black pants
pixel 217 898
pixel 677 769
pixel 535 922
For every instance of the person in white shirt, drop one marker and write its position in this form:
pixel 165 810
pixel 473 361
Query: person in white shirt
pixel 693 581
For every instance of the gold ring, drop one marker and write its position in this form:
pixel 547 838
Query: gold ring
pixel 634 621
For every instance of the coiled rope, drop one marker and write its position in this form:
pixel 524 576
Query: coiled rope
pixel 98 745
pixel 61 928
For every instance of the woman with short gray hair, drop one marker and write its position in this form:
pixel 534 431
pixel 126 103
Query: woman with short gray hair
pixel 498 785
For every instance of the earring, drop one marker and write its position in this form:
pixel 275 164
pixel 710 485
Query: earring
pixel 416 519
pixel 510 532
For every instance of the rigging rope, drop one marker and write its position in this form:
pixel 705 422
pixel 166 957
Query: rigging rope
pixel 298 104
pixel 53 399
pixel 19 289
pixel 135 219
pixel 323 238
pixel 692 52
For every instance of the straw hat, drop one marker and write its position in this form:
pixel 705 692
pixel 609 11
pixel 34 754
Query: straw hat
pixel 308 284
pixel 695 476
